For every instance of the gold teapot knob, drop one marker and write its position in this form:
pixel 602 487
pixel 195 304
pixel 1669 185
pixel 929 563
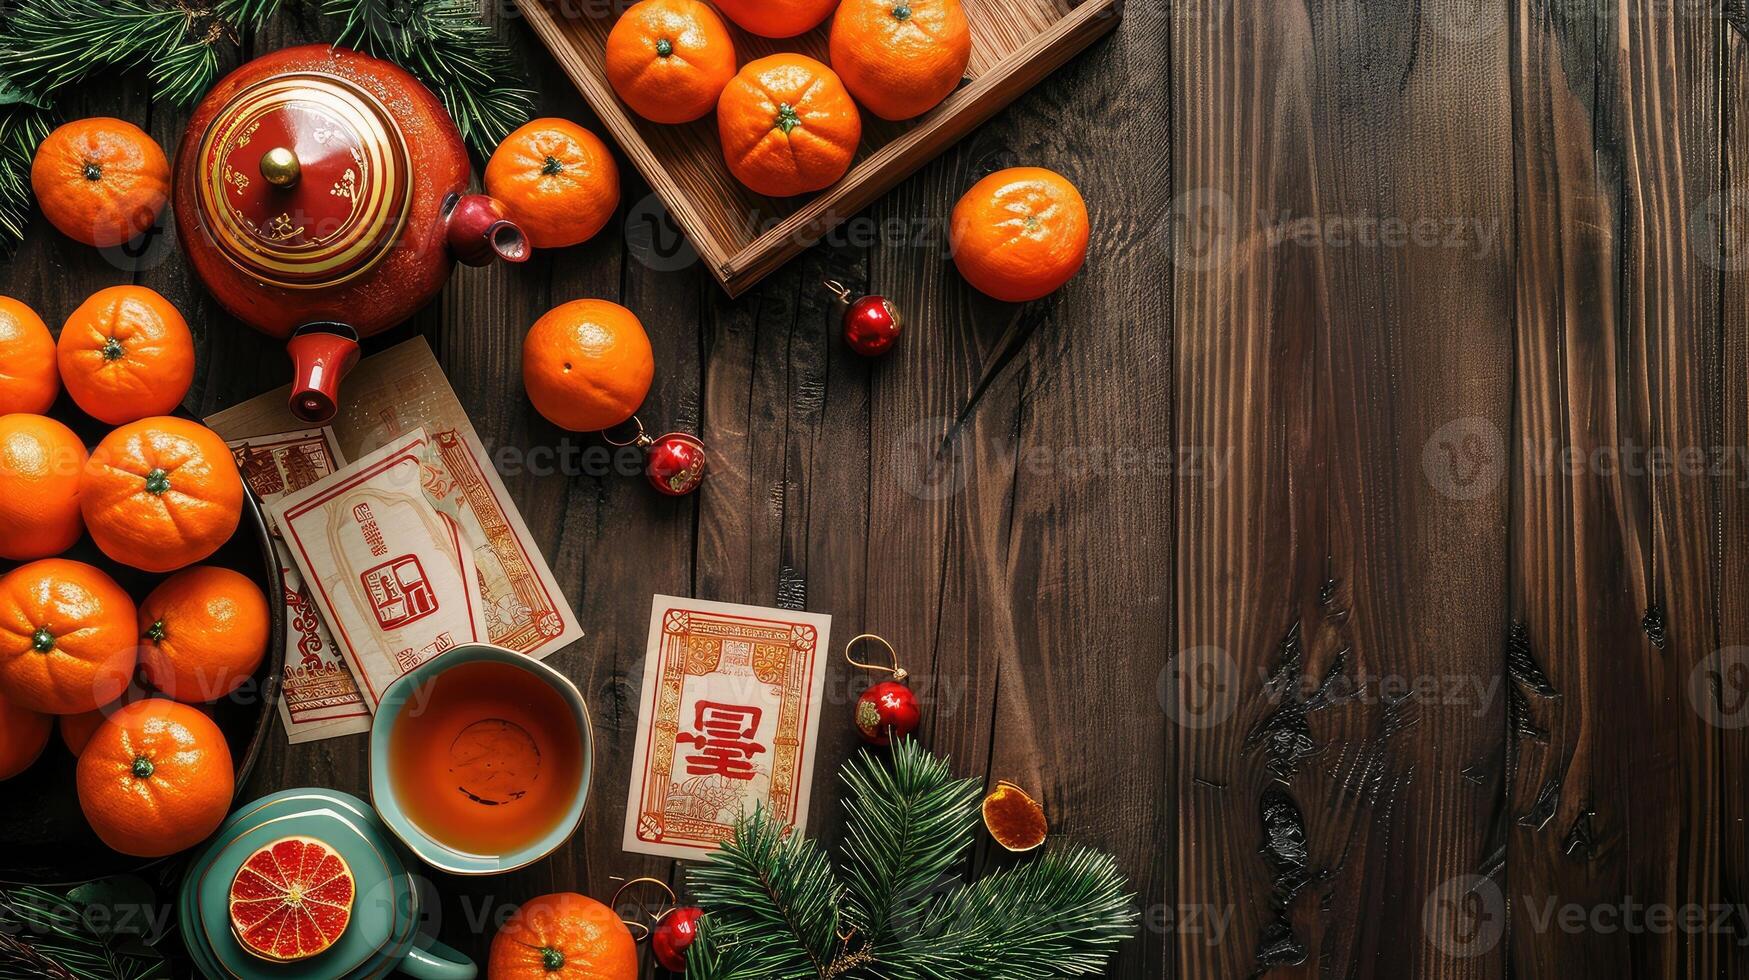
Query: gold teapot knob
pixel 280 167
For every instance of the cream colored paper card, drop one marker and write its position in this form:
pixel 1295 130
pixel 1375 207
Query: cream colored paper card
pixel 729 718
pixel 384 566
pixel 318 694
pixel 404 388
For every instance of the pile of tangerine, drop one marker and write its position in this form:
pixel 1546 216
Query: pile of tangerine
pixel 158 493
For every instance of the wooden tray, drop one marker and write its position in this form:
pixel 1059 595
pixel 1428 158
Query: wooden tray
pixel 743 236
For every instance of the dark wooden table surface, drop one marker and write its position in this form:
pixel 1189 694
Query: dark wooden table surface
pixel 1357 548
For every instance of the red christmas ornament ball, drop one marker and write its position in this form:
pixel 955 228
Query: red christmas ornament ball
pixel 673 935
pixel 675 463
pixel 871 325
pixel 886 711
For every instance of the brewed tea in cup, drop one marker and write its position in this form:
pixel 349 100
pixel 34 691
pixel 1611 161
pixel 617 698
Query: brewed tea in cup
pixel 480 760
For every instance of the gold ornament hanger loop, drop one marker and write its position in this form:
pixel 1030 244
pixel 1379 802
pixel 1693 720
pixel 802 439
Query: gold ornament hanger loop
pixel 899 673
pixel 838 289
pixel 641 440
pixel 639 930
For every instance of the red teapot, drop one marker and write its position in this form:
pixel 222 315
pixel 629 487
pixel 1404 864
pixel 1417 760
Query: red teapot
pixel 321 197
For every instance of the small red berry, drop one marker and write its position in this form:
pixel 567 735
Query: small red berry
pixel 886 711
pixel 675 463
pixel 672 935
pixel 872 325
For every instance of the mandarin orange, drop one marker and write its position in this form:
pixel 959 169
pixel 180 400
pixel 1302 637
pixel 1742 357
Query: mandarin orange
pixel 156 778
pixel 788 126
pixel 1019 233
pixel 67 640
pixel 161 493
pixel 558 181
pixel 900 58
pixel 126 353
pixel 203 632
pixel 669 59
pixel 777 18
pixel 564 936
pixel 28 379
pixel 587 365
pixel 40 463
pixel 101 181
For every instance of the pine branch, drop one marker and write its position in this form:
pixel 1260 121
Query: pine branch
pixel 22 126
pixel 44 934
pixel 48 44
pixel 1058 916
pixel 449 49
pixel 909 825
pixel 771 901
pixel 782 889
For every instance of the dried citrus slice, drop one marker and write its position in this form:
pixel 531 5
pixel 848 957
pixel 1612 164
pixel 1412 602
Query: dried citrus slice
pixel 291 899
pixel 1016 820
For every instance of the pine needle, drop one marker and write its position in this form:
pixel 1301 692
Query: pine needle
pixel 782 886
pixel 772 902
pixel 443 43
pixel 910 823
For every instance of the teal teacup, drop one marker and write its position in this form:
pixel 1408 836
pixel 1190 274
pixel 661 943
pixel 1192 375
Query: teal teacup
pixel 387 909
pixel 480 760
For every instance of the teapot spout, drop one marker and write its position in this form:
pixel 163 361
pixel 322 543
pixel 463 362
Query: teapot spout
pixel 480 230
pixel 321 355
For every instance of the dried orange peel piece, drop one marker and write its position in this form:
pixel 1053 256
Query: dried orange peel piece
pixel 1014 819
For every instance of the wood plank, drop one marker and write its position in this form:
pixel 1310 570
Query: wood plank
pixel 1340 595
pixel 1592 796
pixel 1669 93
pixel 1081 418
pixel 1719 691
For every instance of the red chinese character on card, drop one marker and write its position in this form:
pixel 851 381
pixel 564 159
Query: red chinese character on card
pixel 724 738
pixel 399 591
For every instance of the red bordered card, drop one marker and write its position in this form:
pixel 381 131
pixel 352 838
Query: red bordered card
pixel 729 719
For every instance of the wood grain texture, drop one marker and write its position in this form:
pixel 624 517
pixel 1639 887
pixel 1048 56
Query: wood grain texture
pixel 1617 585
pixel 1343 316
pixel 1356 548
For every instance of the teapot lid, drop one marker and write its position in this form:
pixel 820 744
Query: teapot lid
pixel 304 180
